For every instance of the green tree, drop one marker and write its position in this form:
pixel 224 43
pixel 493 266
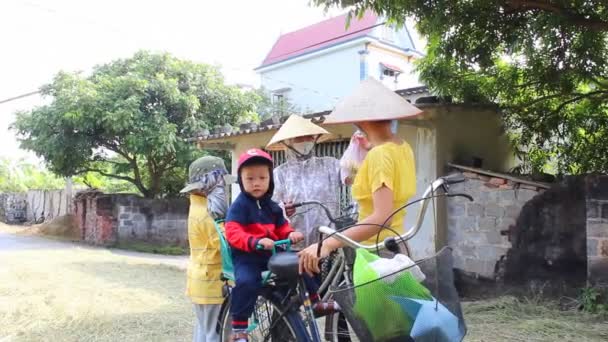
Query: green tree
pixel 266 106
pixel 545 62
pixel 21 176
pixel 128 120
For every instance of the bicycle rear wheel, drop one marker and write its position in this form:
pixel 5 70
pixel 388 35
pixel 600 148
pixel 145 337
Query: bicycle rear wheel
pixel 270 325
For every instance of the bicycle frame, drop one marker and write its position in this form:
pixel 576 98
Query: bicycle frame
pixel 427 196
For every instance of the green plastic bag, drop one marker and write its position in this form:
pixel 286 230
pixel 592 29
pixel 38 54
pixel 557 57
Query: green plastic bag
pixel 383 316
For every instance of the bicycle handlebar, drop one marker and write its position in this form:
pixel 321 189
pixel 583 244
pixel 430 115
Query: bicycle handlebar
pixel 442 182
pixel 286 243
pixel 327 211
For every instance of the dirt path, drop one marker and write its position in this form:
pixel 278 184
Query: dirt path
pixel 10 242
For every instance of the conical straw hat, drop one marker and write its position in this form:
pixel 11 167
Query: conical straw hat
pixel 296 126
pixel 371 101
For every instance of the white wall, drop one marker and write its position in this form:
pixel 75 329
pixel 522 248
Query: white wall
pixel 406 80
pixel 423 143
pixel 319 82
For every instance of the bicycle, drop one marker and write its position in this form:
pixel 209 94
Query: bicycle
pixel 277 313
pixel 438 269
pixel 285 319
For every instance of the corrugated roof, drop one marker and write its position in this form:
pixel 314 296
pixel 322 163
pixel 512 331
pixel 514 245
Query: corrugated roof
pixel 274 124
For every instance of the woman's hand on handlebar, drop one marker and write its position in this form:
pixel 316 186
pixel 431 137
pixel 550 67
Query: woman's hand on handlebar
pixel 309 261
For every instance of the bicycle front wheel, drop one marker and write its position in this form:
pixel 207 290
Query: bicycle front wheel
pixel 267 323
pixel 337 329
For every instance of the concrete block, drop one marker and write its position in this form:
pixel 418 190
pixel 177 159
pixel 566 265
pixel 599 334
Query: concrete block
pixel 597 270
pixel 593 209
pixel 466 250
pixel 459 263
pixel 597 229
pixel 480 267
pixel 512 211
pixel 474 209
pixel 603 248
pixel 592 247
pixel 455 236
pixel 604 211
pixel 490 253
pixel 138 217
pixel 494 210
pixel 466 224
pixel 456 209
pixel 507 196
pixel 524 195
pixel 494 237
pixel 487 223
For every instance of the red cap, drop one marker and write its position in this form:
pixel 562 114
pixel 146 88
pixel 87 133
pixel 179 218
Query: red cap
pixel 253 153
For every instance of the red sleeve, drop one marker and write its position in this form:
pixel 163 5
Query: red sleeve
pixel 284 230
pixel 238 238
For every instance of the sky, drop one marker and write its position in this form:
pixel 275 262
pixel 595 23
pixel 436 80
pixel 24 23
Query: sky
pixel 42 37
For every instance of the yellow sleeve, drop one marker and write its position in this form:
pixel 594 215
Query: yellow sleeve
pixel 381 170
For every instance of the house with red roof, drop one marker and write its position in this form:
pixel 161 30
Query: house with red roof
pixel 315 66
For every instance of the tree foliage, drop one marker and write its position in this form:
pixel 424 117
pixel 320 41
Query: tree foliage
pixel 129 119
pixel 545 62
pixel 20 176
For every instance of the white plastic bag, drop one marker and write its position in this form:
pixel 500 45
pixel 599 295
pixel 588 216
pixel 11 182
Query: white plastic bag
pixel 353 157
pixel 384 267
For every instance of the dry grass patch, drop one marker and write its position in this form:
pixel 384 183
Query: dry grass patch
pixel 511 319
pixel 90 295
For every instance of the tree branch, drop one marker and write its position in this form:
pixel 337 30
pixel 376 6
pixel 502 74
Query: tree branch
pixel 578 98
pixel 596 25
pixel 111 175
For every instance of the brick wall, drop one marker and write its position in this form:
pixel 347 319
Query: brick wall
pixel 155 221
pixel 597 229
pixel 476 229
pixel 13 208
pixel 111 219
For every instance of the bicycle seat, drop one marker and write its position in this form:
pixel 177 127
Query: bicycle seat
pixel 284 265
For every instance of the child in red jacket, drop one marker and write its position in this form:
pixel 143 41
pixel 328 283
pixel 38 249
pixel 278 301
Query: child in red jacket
pixel 254 219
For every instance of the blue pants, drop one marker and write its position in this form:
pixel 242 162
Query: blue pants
pixel 248 268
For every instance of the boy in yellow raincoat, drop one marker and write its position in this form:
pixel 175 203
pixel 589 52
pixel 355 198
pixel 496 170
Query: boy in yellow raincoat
pixel 207 203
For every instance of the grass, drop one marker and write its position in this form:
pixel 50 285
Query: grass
pixel 512 319
pixel 90 295
pixel 150 248
pixel 85 294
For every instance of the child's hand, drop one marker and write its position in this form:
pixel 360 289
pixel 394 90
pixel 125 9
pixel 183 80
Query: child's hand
pixel 267 243
pixel 296 237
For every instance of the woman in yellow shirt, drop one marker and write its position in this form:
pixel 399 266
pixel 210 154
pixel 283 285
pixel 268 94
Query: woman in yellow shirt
pixel 386 179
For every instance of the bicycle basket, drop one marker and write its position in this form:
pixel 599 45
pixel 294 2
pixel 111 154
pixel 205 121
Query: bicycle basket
pixel 396 307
